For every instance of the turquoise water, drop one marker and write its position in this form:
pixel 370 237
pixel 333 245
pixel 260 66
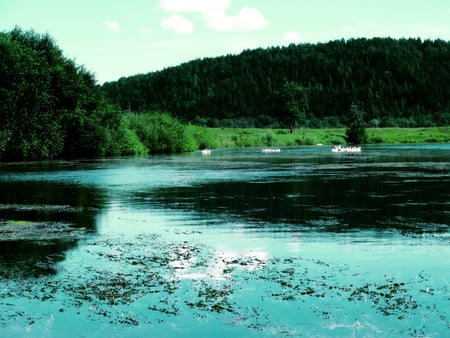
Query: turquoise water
pixel 298 243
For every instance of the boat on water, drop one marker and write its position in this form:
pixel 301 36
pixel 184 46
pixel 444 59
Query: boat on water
pixel 206 152
pixel 270 150
pixel 340 149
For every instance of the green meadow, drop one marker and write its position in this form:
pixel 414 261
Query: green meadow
pixel 254 137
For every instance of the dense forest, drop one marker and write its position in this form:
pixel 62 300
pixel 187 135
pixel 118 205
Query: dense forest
pixel 404 83
pixel 52 108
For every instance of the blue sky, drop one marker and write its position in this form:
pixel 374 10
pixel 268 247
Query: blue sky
pixel 121 38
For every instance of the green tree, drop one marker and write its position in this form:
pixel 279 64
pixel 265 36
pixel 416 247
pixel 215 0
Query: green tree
pixel 50 107
pixel 294 104
pixel 356 130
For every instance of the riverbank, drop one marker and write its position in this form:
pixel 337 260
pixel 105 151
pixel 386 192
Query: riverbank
pixel 253 137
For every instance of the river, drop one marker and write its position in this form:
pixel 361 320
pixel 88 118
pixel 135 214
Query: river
pixel 304 242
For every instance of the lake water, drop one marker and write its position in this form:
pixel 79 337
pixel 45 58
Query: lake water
pixel 304 242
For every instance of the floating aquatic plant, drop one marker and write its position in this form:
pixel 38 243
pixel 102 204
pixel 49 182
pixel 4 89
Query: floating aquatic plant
pixel 38 231
pixel 172 279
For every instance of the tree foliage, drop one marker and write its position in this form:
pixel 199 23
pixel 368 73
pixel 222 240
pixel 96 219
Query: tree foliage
pixel 402 83
pixel 47 102
pixel 293 104
pixel 52 108
pixel 161 134
pixel 356 129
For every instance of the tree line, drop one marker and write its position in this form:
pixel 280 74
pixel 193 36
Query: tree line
pixel 404 83
pixel 52 108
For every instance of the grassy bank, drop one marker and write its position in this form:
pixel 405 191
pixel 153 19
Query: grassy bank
pixel 252 137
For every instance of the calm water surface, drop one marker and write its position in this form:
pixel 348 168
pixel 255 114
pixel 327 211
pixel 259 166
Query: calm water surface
pixel 299 243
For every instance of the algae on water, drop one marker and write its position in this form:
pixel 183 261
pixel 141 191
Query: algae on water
pixel 15 230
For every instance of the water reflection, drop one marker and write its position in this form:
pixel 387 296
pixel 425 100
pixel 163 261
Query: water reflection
pixel 41 220
pixel 50 201
pixel 23 259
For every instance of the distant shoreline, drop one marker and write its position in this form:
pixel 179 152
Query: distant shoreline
pixel 235 138
pixel 254 137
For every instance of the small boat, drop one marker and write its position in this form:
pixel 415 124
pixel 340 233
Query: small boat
pixel 206 152
pixel 340 149
pixel 270 150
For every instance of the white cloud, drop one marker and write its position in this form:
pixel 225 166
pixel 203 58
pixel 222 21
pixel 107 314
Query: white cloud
pixel 292 37
pixel 178 24
pixel 112 26
pixel 213 12
pixel 250 19
pixel 247 19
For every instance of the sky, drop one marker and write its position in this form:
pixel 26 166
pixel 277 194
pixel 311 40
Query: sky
pixel 116 38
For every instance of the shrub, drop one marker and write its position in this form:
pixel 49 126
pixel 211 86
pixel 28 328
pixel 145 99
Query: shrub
pixel 161 133
pixel 304 141
pixel 131 144
pixel 377 139
pixel 336 140
pixel 243 141
pixel 202 137
pixel 269 139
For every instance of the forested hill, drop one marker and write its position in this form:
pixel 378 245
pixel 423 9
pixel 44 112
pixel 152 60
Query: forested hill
pixel 395 82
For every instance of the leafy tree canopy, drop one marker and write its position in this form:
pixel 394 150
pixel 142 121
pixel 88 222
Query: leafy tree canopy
pixel 52 108
pixel 294 103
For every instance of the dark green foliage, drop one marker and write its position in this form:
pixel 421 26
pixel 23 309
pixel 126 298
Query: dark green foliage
pixel 52 108
pixel 293 104
pixel 161 133
pixel 356 130
pixel 26 100
pixel 204 138
pixel 45 99
pixel 269 139
pixel 398 82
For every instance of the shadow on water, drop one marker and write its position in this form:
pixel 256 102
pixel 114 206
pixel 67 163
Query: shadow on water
pixel 40 221
pixel 50 201
pixel 22 259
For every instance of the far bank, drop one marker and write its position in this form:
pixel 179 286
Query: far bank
pixel 254 137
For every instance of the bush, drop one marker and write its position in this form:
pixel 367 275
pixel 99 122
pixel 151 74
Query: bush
pixel 269 139
pixel 131 144
pixel 243 141
pixel 160 133
pixel 304 141
pixel 377 140
pixel 202 137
